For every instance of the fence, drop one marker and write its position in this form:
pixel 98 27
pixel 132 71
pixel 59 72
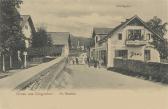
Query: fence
pixel 45 51
pixel 7 63
pixel 164 60
pixel 32 53
pixel 153 70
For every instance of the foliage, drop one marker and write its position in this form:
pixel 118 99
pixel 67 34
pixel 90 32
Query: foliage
pixel 157 25
pixel 10 29
pixel 41 38
pixel 161 46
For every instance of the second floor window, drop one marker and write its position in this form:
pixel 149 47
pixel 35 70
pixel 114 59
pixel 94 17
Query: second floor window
pixel 26 27
pixel 96 39
pixel 119 36
pixel 148 36
pixel 135 34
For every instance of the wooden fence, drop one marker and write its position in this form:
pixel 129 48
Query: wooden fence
pixel 45 51
pixel 153 70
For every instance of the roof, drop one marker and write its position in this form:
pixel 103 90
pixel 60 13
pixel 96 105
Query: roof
pixel 102 31
pixel 59 38
pixel 25 19
pixel 123 24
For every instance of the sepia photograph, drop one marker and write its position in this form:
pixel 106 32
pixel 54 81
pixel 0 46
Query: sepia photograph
pixel 56 50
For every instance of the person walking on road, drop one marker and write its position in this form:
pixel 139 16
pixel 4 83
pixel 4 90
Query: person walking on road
pixel 95 63
pixel 77 61
pixel 100 62
pixel 88 61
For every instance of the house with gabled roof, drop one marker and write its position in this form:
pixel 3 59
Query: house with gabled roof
pixel 28 29
pixel 97 50
pixel 61 39
pixel 131 40
pixel 100 33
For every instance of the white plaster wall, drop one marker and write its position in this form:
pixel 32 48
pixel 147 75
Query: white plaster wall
pixel 138 53
pixel 115 44
pixel 110 53
pixel 155 56
pixel 27 43
pixel 65 50
pixel 27 33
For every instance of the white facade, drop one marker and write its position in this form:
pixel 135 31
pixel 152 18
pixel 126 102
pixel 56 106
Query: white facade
pixel 134 48
pixel 26 29
pixel 131 42
pixel 61 38
pixel 65 50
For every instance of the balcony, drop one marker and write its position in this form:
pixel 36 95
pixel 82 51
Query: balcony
pixel 136 42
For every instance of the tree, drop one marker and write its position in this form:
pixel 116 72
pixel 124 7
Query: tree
pixel 10 29
pixel 41 38
pixel 160 28
pixel 156 24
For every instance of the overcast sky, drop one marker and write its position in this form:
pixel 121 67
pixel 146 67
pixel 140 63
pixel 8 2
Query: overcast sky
pixel 80 16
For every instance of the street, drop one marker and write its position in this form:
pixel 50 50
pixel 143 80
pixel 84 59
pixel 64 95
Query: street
pixel 83 77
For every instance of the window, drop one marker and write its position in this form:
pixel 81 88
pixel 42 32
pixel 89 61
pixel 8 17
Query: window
pixel 135 34
pixel 148 36
pixel 147 55
pixel 119 36
pixel 96 39
pixel 121 53
pixel 26 27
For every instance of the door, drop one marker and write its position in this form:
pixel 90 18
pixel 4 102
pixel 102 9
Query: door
pixel 147 55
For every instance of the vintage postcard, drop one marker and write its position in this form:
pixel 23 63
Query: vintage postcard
pixel 84 54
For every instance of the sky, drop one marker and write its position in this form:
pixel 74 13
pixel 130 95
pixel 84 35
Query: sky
pixel 80 16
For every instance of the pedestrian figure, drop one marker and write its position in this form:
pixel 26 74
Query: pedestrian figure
pixel 77 61
pixel 88 61
pixel 100 62
pixel 73 61
pixel 95 63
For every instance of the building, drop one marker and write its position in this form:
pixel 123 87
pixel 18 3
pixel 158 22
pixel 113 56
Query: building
pixel 28 29
pixel 79 43
pixel 61 39
pixel 97 35
pixel 100 33
pixel 131 40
